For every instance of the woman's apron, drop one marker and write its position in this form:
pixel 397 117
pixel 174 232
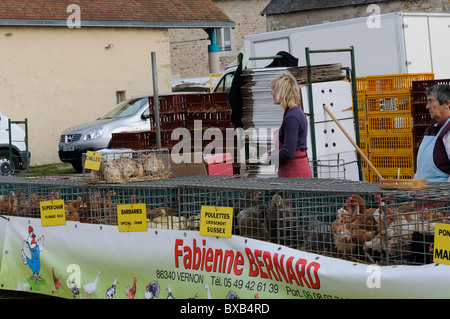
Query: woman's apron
pixel 296 167
pixel 425 162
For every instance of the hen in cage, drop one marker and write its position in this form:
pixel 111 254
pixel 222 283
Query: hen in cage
pixel 283 222
pixel 251 222
pixel 26 205
pixel 408 229
pixel 122 167
pixel 262 221
pixel 354 225
pixel 166 218
pixel 396 231
pixel 319 235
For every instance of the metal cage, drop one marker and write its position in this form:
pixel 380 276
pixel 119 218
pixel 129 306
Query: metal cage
pixel 344 219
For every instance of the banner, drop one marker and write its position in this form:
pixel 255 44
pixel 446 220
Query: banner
pixel 82 261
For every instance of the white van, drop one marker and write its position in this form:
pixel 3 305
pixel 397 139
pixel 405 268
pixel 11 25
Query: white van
pixel 19 158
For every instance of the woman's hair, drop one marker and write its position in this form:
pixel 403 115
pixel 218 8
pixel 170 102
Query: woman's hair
pixel 286 90
pixel 441 92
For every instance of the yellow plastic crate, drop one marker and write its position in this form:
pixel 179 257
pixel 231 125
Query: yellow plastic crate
pixel 364 142
pixel 389 123
pixel 366 175
pixel 394 83
pixel 362 109
pixel 391 162
pixel 398 142
pixel 406 174
pixel 363 125
pixel 388 103
pixel 361 85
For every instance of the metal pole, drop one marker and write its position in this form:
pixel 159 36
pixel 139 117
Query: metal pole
pixel 355 109
pixel 156 101
pixel 26 145
pixel 311 113
pixel 10 146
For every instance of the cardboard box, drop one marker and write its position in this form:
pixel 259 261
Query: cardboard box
pixel 217 158
pixel 216 164
pixel 220 169
pixel 190 164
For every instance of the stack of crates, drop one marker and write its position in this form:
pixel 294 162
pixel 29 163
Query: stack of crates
pixel 362 120
pixel 386 124
pixel 179 111
pixel 420 114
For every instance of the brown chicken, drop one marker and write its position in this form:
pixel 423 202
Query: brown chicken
pixel 354 225
pixel 73 208
pixel 342 232
pixel 56 280
pixel 131 291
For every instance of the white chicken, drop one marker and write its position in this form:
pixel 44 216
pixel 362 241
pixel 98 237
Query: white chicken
pixel 126 167
pixel 169 292
pixel 167 222
pixel 396 229
pixel 208 292
pixel 110 172
pixel 90 287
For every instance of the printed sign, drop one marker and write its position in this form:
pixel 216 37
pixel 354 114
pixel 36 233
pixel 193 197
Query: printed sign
pixel 213 80
pixel 53 213
pixel 93 160
pixel 441 251
pixel 216 221
pixel 132 217
pixel 183 264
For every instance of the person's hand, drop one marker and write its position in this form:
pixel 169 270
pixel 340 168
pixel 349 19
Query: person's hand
pixel 265 158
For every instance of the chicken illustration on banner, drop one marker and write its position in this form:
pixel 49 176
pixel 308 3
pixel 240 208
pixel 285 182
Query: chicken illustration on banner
pixel 31 253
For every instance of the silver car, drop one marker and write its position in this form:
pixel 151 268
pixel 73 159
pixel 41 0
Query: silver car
pixel 129 115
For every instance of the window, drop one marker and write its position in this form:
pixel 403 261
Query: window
pixel 223 38
pixel 120 96
pixel 125 108
pixel 225 83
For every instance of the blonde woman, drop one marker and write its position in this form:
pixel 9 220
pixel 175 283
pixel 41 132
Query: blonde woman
pixel 292 158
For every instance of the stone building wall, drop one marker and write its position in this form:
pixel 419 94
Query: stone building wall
pixel 189 47
pixel 311 17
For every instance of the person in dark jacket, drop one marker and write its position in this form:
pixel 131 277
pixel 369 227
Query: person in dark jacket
pixel 433 157
pixel 291 157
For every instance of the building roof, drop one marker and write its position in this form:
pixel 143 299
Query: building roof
pixel 116 13
pixel 287 6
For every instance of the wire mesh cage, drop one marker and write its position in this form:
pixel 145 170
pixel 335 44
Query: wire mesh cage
pixel 276 210
pixel 344 219
pixel 122 166
pixel 22 197
pixel 409 226
pixel 95 204
pixel 341 219
pixel 101 202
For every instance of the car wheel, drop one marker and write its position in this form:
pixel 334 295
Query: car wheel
pixel 5 163
pixel 77 166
